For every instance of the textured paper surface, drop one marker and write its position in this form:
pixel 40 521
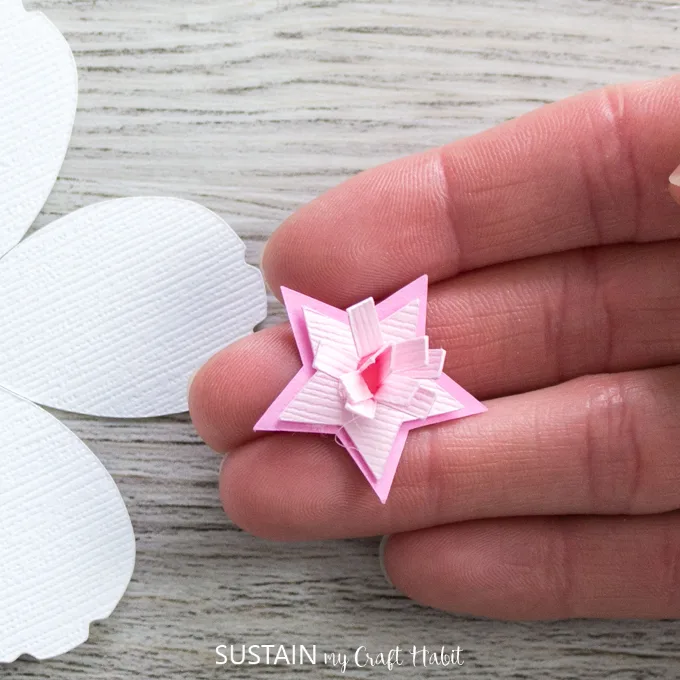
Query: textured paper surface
pixel 108 311
pixel 368 377
pixel 38 96
pixel 66 544
pixel 111 309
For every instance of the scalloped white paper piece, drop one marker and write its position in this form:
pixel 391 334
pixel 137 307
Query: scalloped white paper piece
pixel 111 309
pixel 108 311
pixel 38 97
pixel 67 545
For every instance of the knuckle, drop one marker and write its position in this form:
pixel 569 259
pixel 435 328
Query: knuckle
pixel 611 451
pixel 578 344
pixel 612 189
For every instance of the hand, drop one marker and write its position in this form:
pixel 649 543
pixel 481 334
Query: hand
pixel 553 249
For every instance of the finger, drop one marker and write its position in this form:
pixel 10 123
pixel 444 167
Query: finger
pixel 583 172
pixel 597 445
pixel 543 568
pixel 506 329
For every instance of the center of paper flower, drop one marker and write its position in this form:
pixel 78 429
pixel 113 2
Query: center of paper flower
pixel 375 368
pixel 361 389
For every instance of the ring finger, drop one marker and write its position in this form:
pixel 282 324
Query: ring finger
pixel 598 445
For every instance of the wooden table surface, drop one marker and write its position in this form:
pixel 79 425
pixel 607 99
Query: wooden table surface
pixel 253 107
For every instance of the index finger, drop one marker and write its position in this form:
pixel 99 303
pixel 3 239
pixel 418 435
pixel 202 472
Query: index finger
pixel 587 171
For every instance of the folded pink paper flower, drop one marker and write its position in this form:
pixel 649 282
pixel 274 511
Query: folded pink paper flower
pixel 368 377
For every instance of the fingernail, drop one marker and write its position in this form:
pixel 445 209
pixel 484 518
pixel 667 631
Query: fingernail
pixel 674 179
pixel 191 380
pixel 264 250
pixel 222 462
pixel 381 557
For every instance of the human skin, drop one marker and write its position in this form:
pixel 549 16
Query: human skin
pixel 552 244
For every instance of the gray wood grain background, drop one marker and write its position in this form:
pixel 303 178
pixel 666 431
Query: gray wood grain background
pixel 253 107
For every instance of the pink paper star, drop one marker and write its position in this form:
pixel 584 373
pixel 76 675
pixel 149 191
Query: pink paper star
pixel 368 377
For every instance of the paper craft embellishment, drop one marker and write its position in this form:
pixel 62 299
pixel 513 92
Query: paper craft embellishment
pixel 368 377
pixel 108 312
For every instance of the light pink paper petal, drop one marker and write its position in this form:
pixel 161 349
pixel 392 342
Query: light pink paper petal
pixel 317 402
pixel 355 387
pixel 324 330
pixel 422 403
pixel 403 324
pixel 365 409
pixel 375 438
pixel 445 402
pixel 434 368
pixel 397 390
pixel 365 325
pixel 403 314
pixel 333 360
pixel 410 354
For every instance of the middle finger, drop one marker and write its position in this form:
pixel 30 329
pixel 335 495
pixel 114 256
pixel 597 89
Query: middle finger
pixel 507 329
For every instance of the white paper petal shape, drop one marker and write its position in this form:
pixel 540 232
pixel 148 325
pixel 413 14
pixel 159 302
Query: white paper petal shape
pixel 317 402
pixel 444 402
pixel 403 324
pixel 323 330
pixel 110 310
pixel 374 438
pixel 38 97
pixel 68 549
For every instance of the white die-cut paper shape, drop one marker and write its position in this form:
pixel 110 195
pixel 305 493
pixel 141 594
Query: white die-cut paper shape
pixel 68 549
pixel 108 312
pixel 38 97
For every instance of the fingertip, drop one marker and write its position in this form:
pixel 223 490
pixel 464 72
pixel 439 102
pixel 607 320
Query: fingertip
pixel 235 387
pixel 480 568
pixel 258 493
pixel 238 487
pixel 296 487
pixel 268 262
pixel 203 404
pixel 396 569
pixel 241 494
pixel 287 254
